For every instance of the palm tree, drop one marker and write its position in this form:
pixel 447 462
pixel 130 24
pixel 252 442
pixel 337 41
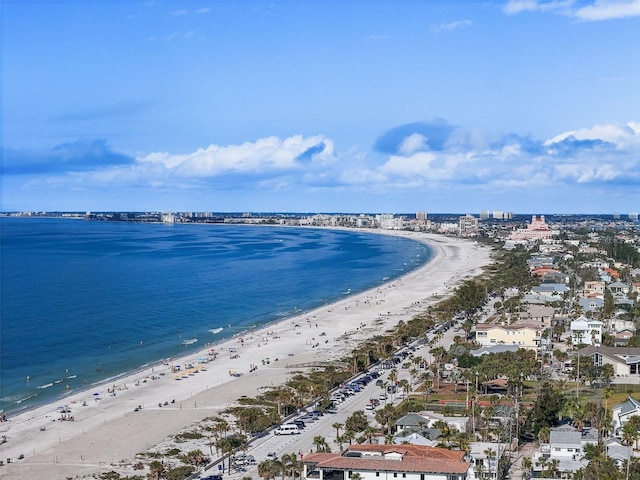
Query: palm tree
pixel 526 465
pixel 437 352
pixel 490 452
pixel 480 469
pixel 553 468
pixel 542 463
pixel 413 373
pixel 348 436
pixel 286 464
pixel 544 434
pixel 157 470
pixel 369 432
pixel 321 444
pixel 338 426
pixel 427 383
pixel 393 376
pixel 195 457
pixel 269 469
pixel 405 386
pixel 294 465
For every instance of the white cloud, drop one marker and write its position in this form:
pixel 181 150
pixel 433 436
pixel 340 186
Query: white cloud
pixel 413 143
pixel 263 155
pixel 596 11
pixel 608 10
pixel 622 136
pixel 513 7
pixel 603 156
pixel 447 27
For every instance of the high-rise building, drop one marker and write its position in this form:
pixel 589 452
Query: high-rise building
pixel 536 230
pixel 484 215
pixel 468 225
pixel 633 216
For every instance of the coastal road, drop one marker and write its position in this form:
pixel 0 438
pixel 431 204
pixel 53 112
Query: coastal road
pixel 302 443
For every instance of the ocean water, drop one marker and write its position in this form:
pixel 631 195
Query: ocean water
pixel 84 301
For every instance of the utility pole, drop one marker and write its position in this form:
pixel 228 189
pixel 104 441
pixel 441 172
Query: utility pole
pixel 578 379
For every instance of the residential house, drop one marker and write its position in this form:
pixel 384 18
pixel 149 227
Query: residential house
pixel 591 304
pixel 455 423
pixel 538 315
pixel 536 299
pixel 594 289
pixel 554 291
pixel 624 360
pixel 386 462
pixel 553 277
pixel 619 288
pixel 413 438
pixel 623 336
pixel 485 458
pixel 616 324
pixel 565 451
pixel 586 331
pixel 621 413
pixel 523 335
pixel 412 421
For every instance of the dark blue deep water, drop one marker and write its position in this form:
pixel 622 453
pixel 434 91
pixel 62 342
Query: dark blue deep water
pixel 83 301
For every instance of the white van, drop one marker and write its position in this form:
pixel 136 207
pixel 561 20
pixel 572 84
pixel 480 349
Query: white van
pixel 288 429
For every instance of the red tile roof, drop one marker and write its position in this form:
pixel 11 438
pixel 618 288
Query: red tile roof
pixel 414 458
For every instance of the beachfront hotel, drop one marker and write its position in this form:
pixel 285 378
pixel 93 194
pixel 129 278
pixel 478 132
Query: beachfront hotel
pixel 536 230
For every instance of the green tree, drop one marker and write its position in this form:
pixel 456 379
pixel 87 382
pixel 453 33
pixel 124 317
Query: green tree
pixel 321 444
pixel 338 426
pixel 269 469
pixel 156 470
pixel 357 422
pixel 546 409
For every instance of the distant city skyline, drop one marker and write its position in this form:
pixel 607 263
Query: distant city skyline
pixel 521 106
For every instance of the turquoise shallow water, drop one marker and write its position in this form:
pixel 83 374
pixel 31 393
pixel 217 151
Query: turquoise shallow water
pixel 85 301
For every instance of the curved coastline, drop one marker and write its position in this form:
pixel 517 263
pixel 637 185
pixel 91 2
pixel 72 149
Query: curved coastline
pixel 83 446
pixel 35 400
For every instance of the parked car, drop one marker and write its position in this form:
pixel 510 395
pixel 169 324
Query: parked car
pixel 288 429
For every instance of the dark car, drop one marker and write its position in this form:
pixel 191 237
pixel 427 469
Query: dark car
pixel 212 477
pixel 299 423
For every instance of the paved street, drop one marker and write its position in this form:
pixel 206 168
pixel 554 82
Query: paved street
pixel 303 443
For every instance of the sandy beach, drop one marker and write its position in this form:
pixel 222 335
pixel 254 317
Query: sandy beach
pixel 113 422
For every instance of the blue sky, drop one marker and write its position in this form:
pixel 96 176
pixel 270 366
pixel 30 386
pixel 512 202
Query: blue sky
pixel 342 106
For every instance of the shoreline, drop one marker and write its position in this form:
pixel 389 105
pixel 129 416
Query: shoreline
pixel 238 330
pixel 107 424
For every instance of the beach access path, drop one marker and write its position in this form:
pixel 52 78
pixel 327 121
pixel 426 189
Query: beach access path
pixel 114 422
